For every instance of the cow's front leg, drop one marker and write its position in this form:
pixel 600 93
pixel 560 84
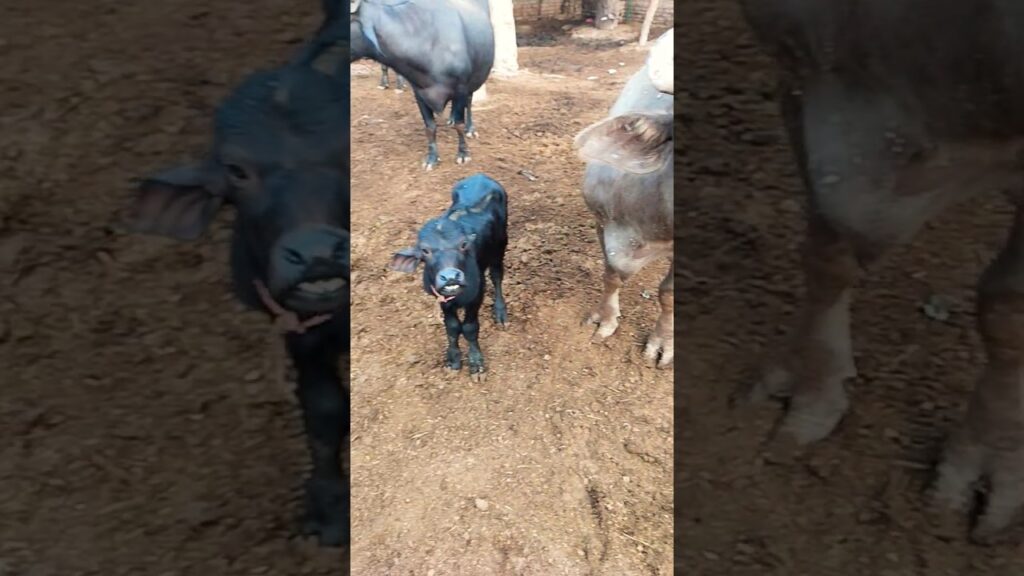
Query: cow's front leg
pixel 325 412
pixel 471 330
pixel 453 328
pixel 430 129
pixel 661 339
pixel 989 444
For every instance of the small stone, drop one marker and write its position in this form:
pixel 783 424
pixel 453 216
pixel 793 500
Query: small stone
pixel 481 504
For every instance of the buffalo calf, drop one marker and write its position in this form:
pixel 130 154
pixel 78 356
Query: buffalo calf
pixel 627 185
pixel 279 156
pixel 456 249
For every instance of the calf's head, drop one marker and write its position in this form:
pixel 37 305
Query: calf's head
pixel 446 250
pixel 278 153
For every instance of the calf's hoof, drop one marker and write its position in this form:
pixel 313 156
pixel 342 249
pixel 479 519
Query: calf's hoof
pixel 659 352
pixel 327 514
pixel 967 465
pixel 453 359
pixel 500 315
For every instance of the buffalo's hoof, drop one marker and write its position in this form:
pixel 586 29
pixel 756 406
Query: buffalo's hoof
pixel 968 463
pixel 453 359
pixel 326 513
pixel 659 352
pixel 500 315
pixel 606 325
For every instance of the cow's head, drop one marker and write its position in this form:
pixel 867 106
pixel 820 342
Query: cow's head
pixel 279 154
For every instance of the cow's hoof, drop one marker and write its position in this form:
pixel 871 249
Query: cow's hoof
pixel 399 90
pixel 472 134
pixel 658 352
pixel 449 122
pixel 462 158
pixel 382 87
pixel 478 377
pixel 967 465
pixel 430 162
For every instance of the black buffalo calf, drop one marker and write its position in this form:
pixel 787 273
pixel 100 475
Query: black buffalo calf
pixel 279 155
pixel 456 249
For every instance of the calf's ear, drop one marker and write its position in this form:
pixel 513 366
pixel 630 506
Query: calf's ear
pixel 178 203
pixel 405 260
pixel 634 143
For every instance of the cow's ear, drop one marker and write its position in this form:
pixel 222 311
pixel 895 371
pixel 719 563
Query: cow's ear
pixel 635 143
pixel 406 260
pixel 179 203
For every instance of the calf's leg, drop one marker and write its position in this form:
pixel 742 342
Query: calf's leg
pixel 989 444
pixel 325 412
pixel 430 128
pixel 497 270
pixel 661 339
pixel 471 330
pixel 453 328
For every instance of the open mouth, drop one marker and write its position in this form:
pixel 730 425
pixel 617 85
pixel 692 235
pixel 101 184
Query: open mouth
pixel 316 296
pixel 450 290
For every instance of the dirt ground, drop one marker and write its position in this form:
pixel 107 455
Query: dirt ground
pixel 560 463
pixel 852 504
pixel 144 427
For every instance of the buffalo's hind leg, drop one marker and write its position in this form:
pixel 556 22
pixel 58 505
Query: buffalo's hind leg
pixel 661 339
pixel 430 127
pixel 325 412
pixel 460 105
pixel 500 312
pixel 989 444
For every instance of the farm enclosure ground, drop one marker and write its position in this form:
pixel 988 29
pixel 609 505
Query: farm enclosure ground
pixel 568 444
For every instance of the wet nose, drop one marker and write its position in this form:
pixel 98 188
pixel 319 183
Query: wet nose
pixel 449 276
pixel 304 253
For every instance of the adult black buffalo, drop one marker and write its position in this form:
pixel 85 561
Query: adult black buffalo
pixel 280 156
pixel 443 48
